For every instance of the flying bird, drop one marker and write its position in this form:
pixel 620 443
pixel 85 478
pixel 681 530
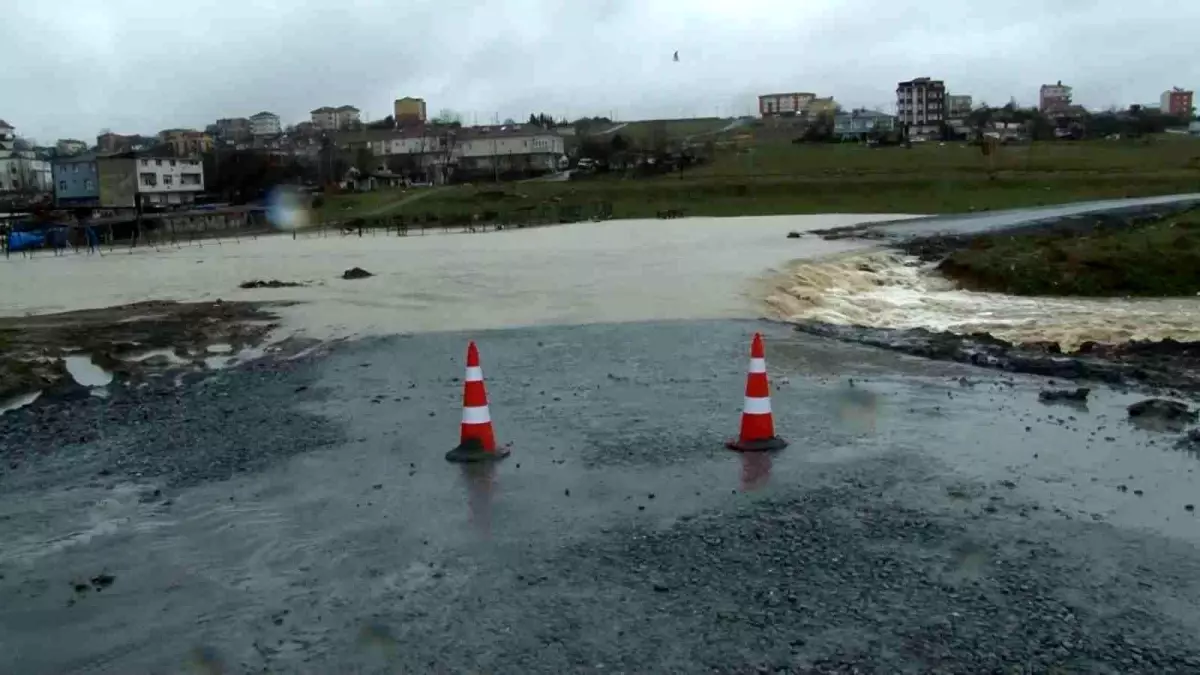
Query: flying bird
pixel 677 56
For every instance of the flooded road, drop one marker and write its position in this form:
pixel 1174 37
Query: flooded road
pixel 298 517
pixel 920 512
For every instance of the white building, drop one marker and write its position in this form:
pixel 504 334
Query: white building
pixel 21 170
pixel 163 181
pixel 479 147
pixel 265 124
pixel 341 117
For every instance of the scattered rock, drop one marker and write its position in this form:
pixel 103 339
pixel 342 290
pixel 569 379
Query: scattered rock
pixel 793 235
pixel 1079 395
pixel 102 581
pixel 356 273
pixel 272 283
pixel 1160 412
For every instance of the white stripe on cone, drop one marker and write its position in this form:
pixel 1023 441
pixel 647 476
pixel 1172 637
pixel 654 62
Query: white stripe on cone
pixel 479 415
pixel 474 374
pixel 757 406
pixel 758 365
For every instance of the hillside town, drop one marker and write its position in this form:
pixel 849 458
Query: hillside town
pixel 335 148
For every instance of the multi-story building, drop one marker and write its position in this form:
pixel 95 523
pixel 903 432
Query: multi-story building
pixel 784 105
pixel 122 180
pixel 21 170
pixel 341 117
pixel 8 136
pixel 409 110
pixel 69 146
pixel 265 124
pixel 108 143
pixel 473 149
pixel 958 106
pixel 186 142
pixel 1054 98
pixel 231 128
pixel 921 104
pixel 1177 102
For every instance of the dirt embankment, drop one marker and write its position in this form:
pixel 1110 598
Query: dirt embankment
pixel 130 341
pixel 1147 252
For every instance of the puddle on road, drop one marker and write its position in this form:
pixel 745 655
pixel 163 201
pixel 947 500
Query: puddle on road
pixel 85 373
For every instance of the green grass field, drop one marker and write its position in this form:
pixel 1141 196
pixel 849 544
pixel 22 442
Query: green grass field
pixel 786 178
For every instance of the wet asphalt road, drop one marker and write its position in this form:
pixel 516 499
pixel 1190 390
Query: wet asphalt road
pixel 927 517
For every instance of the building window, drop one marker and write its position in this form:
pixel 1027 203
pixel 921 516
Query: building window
pixel 89 185
pixel 62 185
pixel 145 162
pixel 168 179
pixel 158 162
pixel 189 179
pixel 172 162
pixel 148 179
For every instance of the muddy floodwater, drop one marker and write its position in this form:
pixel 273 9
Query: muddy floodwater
pixel 589 272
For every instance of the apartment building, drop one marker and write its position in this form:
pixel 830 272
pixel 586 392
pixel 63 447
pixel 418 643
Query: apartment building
pixel 921 105
pixel 230 128
pixel 860 123
pixel 265 124
pixel 1178 102
pixel 164 181
pixel 1054 98
pixel 342 117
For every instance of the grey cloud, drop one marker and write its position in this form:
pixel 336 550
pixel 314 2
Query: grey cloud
pixel 142 65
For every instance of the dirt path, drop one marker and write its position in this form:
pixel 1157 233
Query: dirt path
pixel 403 201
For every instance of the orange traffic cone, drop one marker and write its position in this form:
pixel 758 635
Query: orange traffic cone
pixel 477 442
pixel 758 425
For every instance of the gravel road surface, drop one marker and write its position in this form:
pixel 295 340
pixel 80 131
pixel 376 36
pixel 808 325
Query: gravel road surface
pixel 298 517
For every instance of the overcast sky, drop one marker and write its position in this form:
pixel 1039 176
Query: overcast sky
pixel 74 67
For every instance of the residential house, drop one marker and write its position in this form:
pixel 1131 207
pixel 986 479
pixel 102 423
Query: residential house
pixel 165 181
pixel 265 124
pixel 921 105
pixel 784 105
pixel 409 110
pixel 820 105
pixel 1054 98
pixel 186 142
pixel 69 146
pixel 858 124
pixel 1194 128
pixel 341 117
pixel 21 169
pixel 1177 102
pixel 76 180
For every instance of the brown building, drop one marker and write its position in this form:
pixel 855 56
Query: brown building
pixel 1054 98
pixel 409 110
pixel 1178 102
pixel 921 104
pixel 108 143
pixel 186 142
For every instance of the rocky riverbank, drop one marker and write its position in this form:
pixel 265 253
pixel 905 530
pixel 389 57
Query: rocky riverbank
pixel 1150 252
pixel 131 342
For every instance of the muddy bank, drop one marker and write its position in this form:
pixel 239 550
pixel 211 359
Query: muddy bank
pixel 1149 366
pixel 131 342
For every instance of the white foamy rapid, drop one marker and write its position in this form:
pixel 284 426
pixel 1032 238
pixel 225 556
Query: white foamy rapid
pixel 588 272
pixel 886 290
